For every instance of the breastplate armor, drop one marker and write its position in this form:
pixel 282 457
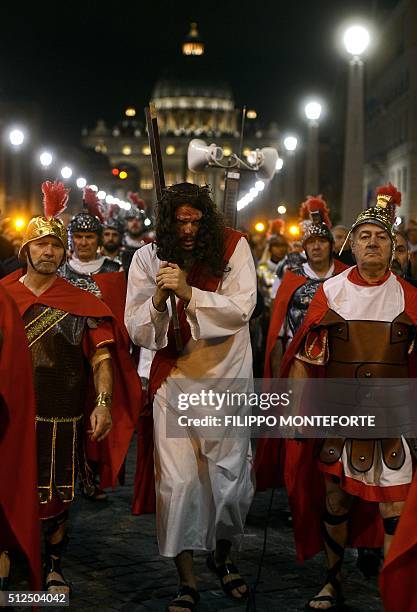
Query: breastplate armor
pixel 82 281
pixel 60 376
pixel 368 349
pixel 300 302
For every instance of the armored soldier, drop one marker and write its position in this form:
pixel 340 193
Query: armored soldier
pixel 74 340
pixel 298 287
pixel 360 324
pixel 100 276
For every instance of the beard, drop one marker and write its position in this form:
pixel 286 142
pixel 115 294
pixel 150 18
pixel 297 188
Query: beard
pixel 111 247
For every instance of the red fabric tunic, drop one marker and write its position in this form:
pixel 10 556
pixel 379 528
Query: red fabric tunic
pixel 127 393
pixel 304 481
pixel 163 362
pixel 19 520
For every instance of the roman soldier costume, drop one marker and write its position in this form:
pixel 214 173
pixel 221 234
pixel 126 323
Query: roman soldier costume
pixel 297 289
pixel 89 220
pixel 64 327
pixel 353 329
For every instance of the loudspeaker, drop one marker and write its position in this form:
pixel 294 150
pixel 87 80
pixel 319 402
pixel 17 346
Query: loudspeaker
pixel 200 154
pixel 267 169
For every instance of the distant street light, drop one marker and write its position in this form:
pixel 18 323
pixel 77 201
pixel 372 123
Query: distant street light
pixel 290 143
pixel 356 40
pixel 16 137
pixel 81 182
pixel 66 172
pixel 46 159
pixel 93 187
pixel 282 209
pixel 279 164
pixel 101 195
pixel 312 111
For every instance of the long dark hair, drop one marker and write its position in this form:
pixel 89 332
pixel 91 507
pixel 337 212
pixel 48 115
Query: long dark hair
pixel 209 247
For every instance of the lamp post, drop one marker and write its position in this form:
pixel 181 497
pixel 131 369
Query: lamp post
pixel 15 193
pixel 290 144
pixel 313 112
pixel 356 40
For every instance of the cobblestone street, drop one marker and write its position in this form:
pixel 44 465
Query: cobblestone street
pixel 113 562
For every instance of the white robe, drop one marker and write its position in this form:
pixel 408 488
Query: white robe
pixel 204 488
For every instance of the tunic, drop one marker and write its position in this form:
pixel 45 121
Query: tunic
pixel 203 487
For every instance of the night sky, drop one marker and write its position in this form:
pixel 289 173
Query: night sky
pixel 76 62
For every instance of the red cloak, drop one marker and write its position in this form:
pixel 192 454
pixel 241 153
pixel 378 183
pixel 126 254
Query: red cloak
pixel 162 364
pixel 18 483
pixel 305 482
pixel 127 393
pixel 398 577
pixel 270 452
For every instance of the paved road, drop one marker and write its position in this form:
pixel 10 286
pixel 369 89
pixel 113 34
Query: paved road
pixel 114 564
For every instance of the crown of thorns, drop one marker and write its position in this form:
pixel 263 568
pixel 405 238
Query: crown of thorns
pixel 195 191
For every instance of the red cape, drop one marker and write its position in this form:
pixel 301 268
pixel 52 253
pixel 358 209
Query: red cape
pixel 289 285
pixel 305 482
pixel 270 452
pixel 127 393
pixel 18 483
pixel 113 289
pixel 162 364
pixel 398 577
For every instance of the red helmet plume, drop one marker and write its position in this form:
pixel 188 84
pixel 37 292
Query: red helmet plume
pixel 92 203
pixel 55 198
pixel 136 200
pixel 391 193
pixel 315 204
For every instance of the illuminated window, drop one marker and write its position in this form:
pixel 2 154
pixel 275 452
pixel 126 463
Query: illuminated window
pixel 126 150
pixel 193 45
pixel 251 114
pixel 170 150
pixel 146 183
pixel 146 150
pixel 130 112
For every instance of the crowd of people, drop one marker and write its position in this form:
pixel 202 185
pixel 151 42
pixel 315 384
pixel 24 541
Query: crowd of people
pixel 106 320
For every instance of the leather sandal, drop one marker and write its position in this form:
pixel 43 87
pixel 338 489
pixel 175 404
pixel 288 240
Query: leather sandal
pixel 184 604
pixel 223 570
pixel 336 601
pixel 53 553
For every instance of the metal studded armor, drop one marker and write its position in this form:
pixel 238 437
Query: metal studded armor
pixel 86 281
pixel 60 375
pixel 367 349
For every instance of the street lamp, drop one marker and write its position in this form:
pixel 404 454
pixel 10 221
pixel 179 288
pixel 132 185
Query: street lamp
pixel 356 40
pixel 312 112
pixel 66 172
pixel 16 137
pixel 46 159
pixel 290 144
pixel 81 182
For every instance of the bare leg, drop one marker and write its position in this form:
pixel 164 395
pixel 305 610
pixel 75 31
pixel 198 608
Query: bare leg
pixel 55 540
pixel 338 504
pixel 184 563
pixel 221 556
pixel 390 512
pixel 4 570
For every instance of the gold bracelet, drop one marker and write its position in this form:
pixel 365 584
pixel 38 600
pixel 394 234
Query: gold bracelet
pixel 103 399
